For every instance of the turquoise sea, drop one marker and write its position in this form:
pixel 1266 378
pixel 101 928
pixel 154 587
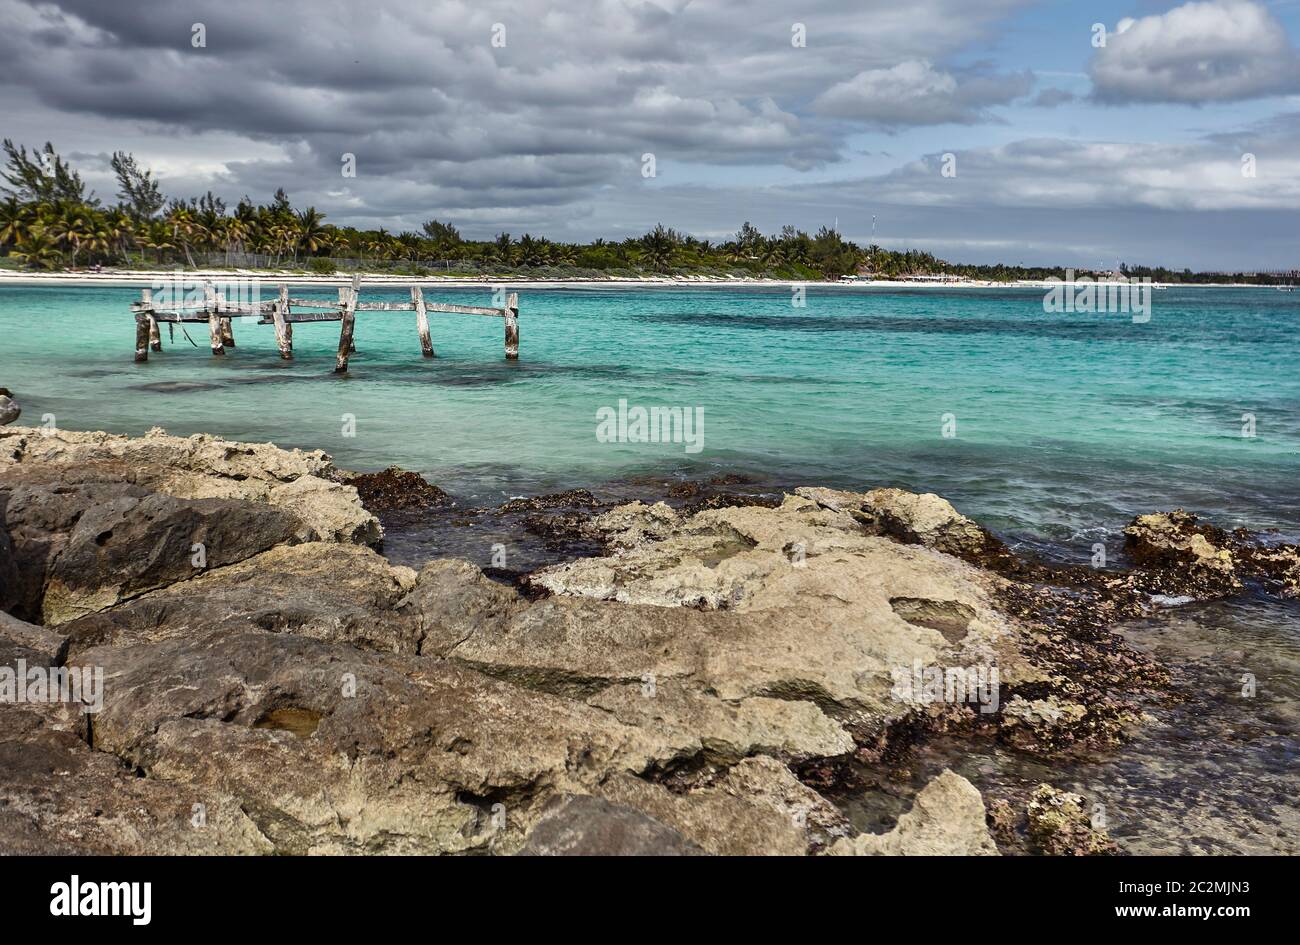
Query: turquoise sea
pixel 1066 426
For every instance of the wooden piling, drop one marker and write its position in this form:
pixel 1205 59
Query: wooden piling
pixel 422 321
pixel 348 307
pixel 227 333
pixel 146 309
pixel 142 337
pixel 214 321
pixel 512 326
pixel 283 330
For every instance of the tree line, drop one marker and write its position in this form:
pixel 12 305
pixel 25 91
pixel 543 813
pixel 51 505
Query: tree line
pixel 50 220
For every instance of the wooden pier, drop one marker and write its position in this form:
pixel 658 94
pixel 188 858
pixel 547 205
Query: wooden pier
pixel 284 312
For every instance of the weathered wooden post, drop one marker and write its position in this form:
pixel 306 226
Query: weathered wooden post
pixel 214 321
pixel 348 305
pixel 422 321
pixel 283 331
pixel 141 337
pixel 146 299
pixel 512 326
pixel 227 329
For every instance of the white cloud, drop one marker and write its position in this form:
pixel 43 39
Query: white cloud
pixel 914 92
pixel 1215 51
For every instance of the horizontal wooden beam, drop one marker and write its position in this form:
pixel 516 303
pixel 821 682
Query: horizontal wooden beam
pixel 223 308
pixel 200 313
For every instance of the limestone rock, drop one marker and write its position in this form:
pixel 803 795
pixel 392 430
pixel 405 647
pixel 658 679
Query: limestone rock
pixel 334 592
pixel 194 467
pixel 795 602
pixel 9 409
pixel 330 511
pixel 728 731
pixel 57 796
pixel 947 819
pixel 928 519
pixel 757 808
pixel 1181 556
pixel 130 545
pixel 590 826
pixel 332 749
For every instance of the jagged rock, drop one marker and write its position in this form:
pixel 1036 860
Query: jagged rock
pixel 928 519
pixel 194 467
pixel 590 826
pixel 1178 555
pixel 452 599
pixel 335 592
pixel 1059 826
pixel 1182 557
pixel 757 808
pixel 327 509
pixel 57 796
pixel 334 749
pixel 9 409
pixel 130 545
pixel 947 819
pixel 627 526
pixel 35 644
pixel 169 459
pixel 1041 724
pixel 793 602
pixel 95 519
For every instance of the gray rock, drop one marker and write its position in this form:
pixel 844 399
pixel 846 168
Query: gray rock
pixel 122 548
pixel 334 592
pixel 57 796
pixel 590 826
pixel 9 409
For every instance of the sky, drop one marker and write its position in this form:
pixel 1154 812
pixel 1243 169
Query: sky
pixel 1061 132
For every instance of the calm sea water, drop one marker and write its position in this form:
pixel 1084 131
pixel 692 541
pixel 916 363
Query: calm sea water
pixel 1067 425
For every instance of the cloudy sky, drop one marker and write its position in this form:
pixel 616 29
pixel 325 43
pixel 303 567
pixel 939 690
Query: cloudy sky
pixel 534 115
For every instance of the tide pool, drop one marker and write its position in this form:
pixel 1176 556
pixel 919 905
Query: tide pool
pixel 1065 425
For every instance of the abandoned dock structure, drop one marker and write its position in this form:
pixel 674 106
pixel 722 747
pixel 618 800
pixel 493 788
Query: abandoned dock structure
pixel 218 313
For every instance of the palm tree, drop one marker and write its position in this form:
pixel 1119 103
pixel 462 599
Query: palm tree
pixel 14 218
pixel 155 235
pixel 69 228
pixel 657 248
pixel 312 236
pixel 38 249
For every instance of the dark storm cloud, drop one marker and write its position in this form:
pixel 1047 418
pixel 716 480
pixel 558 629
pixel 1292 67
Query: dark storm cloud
pixel 548 132
pixel 420 95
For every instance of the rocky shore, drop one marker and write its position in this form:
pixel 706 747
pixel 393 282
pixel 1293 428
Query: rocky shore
pixel 701 684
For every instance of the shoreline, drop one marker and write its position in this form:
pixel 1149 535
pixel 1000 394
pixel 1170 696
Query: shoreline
pixel 144 278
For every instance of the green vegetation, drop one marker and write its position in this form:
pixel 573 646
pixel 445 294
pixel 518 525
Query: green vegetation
pixel 48 220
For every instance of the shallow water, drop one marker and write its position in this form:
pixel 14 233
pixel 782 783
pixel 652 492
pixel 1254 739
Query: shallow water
pixel 1215 771
pixel 1067 426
